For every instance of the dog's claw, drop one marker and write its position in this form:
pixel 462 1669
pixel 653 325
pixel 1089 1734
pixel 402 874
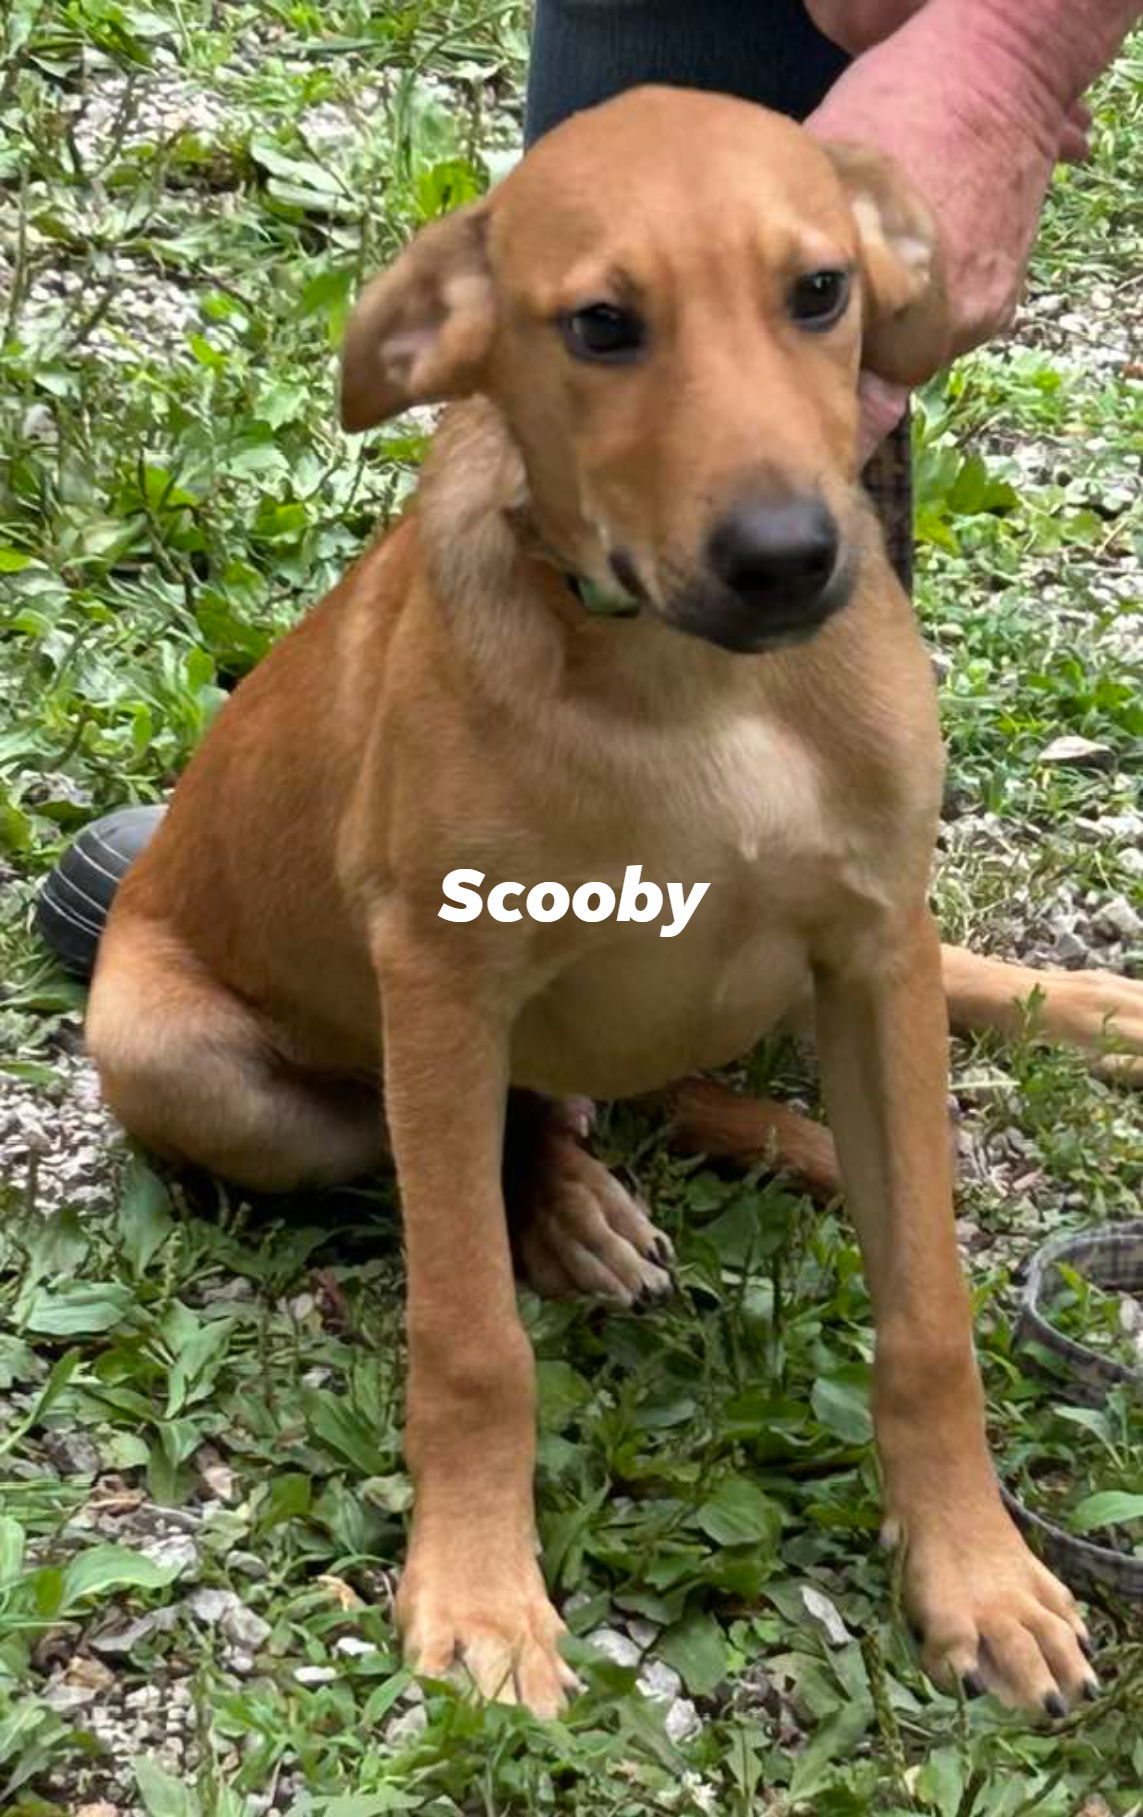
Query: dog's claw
pixel 499 1640
pixel 995 1618
pixel 586 1233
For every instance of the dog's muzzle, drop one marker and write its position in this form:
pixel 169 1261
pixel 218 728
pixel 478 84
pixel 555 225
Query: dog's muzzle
pixel 774 573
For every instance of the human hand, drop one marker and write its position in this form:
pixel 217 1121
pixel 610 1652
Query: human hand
pixel 881 405
pixel 857 25
pixel 930 98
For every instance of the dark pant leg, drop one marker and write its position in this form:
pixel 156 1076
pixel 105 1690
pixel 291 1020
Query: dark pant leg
pixel 769 51
pixel 584 51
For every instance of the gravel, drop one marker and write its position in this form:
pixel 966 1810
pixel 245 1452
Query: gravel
pixel 135 308
pixel 58 1144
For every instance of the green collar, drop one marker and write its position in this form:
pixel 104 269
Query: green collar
pixel 599 602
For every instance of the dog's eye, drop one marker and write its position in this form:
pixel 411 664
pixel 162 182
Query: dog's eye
pixel 818 300
pixel 603 331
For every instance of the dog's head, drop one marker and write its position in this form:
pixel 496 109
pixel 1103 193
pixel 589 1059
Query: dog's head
pixel 669 300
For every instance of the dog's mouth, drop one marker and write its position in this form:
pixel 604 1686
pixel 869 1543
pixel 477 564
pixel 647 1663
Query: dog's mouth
pixel 756 623
pixel 746 622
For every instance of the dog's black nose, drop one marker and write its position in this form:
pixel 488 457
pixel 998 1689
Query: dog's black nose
pixel 781 554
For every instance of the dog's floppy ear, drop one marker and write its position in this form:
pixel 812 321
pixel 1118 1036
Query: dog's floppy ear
pixel 906 323
pixel 421 330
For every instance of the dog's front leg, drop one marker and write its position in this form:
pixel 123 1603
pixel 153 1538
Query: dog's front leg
pixel 987 1609
pixel 472 1594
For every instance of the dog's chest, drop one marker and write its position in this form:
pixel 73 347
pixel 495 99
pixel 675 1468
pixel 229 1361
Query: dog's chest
pixel 751 813
pixel 746 797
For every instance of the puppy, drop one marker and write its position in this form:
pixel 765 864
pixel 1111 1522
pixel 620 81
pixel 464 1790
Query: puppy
pixel 639 612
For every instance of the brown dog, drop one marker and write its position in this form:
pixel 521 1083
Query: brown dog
pixel 662 311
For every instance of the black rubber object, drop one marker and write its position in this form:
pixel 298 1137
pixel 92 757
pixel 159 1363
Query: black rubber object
pixel 1111 1255
pixel 74 904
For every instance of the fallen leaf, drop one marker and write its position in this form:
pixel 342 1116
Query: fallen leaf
pixel 344 1595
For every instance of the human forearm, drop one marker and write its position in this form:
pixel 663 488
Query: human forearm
pixel 1026 62
pixel 1062 45
pixel 1050 50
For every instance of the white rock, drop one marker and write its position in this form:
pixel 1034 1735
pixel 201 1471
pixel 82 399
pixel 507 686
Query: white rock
pixel 824 1615
pixel 173 1549
pixel 223 1610
pixel 1119 918
pixel 682 1721
pixel 145 1697
pixel 353 1646
pixel 63 1698
pixel 1068 947
pixel 1127 825
pixel 702 1793
pixel 659 1681
pixel 211 1605
pixel 123 1638
pixel 643 1632
pixel 404 1729
pixel 1071 748
pixel 617 1647
pixel 247 1630
pixel 315 1675
pixel 39 425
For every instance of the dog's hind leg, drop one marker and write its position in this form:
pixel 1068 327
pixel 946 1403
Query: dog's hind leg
pixel 193 1073
pixel 1097 1011
pixel 575 1228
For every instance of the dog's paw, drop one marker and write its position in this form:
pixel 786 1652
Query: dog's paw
pixel 585 1233
pixel 1106 1016
pixel 990 1615
pixel 494 1633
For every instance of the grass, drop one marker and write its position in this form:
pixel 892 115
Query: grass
pixel 201 1395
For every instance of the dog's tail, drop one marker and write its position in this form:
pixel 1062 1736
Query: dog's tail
pixel 73 906
pixel 707 1117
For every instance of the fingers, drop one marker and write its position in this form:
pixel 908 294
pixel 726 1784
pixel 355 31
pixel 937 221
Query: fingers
pixel 1075 146
pixel 1075 139
pixel 881 407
